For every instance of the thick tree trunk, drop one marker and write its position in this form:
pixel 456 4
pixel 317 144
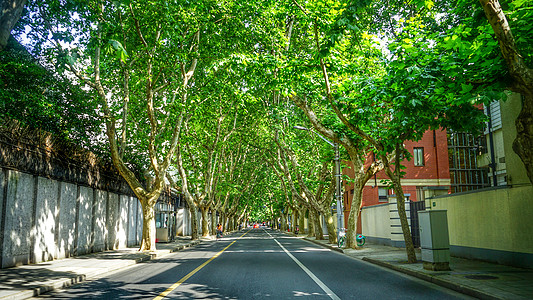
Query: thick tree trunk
pixel 224 220
pixel 319 233
pixel 9 16
pixel 295 219
pixel 522 81
pixel 283 225
pixel 205 222
pixel 523 144
pixel 149 232
pixel 302 221
pixel 311 224
pixel 355 210
pixel 214 223
pixel 194 222
pixel 330 224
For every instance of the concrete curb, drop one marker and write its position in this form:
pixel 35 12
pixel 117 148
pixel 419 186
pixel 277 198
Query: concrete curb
pixel 79 278
pixel 325 245
pixel 444 283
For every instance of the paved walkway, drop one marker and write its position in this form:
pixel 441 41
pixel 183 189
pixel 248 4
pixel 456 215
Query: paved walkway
pixel 475 278
pixel 31 280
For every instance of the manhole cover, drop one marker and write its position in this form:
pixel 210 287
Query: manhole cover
pixel 481 277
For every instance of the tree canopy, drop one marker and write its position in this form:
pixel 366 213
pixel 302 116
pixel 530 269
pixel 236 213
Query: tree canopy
pixel 204 95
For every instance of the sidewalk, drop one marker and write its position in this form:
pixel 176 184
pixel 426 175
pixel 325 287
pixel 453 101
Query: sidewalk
pixel 474 278
pixel 31 280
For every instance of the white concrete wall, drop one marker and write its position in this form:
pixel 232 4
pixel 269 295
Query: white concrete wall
pixel 112 221
pixel 180 225
pixel 44 231
pixel 44 219
pixel 99 220
pixel 67 220
pixel 139 225
pixel 132 222
pixel 18 219
pixel 122 231
pixel 85 216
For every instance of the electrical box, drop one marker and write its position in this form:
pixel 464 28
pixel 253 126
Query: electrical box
pixel 434 239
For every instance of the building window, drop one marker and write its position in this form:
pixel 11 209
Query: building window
pixel 382 194
pixel 418 157
pixel 465 174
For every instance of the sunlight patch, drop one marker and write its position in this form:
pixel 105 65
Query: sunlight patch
pixel 304 294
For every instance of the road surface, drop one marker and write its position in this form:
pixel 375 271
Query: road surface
pixel 256 264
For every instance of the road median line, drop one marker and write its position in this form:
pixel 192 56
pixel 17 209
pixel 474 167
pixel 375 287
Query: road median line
pixel 184 278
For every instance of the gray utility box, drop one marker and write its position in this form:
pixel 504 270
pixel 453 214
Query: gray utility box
pixel 434 239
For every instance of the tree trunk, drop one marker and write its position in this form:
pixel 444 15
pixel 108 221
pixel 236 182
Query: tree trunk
pixel 409 247
pixel 302 221
pixel 9 16
pixel 214 222
pixel 355 210
pixel 205 223
pixel 330 224
pixel 319 233
pixel 523 144
pixel 149 232
pixel 194 222
pixel 295 219
pixel 522 81
pixel 223 221
pixel 310 224
pixel 283 225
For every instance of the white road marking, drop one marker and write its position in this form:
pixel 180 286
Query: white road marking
pixel 330 293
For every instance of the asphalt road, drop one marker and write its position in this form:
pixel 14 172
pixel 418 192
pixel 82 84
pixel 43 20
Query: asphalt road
pixel 256 264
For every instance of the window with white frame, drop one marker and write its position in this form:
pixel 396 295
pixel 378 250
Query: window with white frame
pixel 418 157
pixel 382 194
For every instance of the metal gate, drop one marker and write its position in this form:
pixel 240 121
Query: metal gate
pixel 415 207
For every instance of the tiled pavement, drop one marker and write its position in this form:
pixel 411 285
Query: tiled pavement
pixel 31 280
pixel 475 278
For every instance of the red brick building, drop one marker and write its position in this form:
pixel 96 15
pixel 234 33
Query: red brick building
pixel 428 167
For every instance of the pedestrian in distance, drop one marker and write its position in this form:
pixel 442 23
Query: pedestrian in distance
pixel 219 231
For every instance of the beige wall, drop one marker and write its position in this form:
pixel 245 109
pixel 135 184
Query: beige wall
pixel 498 219
pixel 375 221
pixel 516 172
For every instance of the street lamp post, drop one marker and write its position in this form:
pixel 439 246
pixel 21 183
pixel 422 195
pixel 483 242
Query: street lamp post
pixel 338 194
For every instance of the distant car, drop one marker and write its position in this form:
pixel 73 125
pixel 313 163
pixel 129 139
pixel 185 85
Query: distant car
pixel 256 225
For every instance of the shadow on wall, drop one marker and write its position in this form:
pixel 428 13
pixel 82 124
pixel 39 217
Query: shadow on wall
pixel 44 219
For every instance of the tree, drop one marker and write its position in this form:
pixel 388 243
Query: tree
pixel 306 83
pixel 518 64
pixel 10 12
pixel 313 191
pixel 38 98
pixel 142 61
pixel 401 101
pixel 204 153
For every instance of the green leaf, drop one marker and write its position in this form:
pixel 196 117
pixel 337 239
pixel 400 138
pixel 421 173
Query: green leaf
pixel 466 88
